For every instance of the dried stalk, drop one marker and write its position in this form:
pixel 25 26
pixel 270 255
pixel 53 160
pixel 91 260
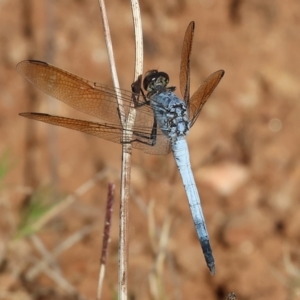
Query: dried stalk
pixel 127 124
pixel 61 206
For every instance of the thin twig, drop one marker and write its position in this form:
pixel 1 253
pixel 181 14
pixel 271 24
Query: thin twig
pixel 53 273
pixel 126 146
pixel 111 59
pixel 73 239
pixel 126 159
pixel 61 281
pixel 57 209
pixel 138 33
pixel 106 236
pixel 50 258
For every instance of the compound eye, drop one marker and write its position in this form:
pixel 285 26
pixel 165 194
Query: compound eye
pixel 149 79
pixel 164 78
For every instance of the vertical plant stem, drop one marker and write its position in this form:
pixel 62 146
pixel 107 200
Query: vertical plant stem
pixel 126 159
pixel 111 58
pixel 126 146
pixel 138 33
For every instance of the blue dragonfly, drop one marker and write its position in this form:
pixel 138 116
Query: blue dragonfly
pixel 162 119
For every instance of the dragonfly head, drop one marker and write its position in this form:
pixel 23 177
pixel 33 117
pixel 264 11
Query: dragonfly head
pixel 155 80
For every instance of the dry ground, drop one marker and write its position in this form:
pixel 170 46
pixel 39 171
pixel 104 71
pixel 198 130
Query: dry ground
pixel 244 151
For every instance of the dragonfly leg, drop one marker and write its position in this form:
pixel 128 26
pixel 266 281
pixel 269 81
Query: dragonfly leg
pixel 146 101
pixel 145 142
pixel 136 91
pixel 151 140
pixel 145 138
pixel 154 132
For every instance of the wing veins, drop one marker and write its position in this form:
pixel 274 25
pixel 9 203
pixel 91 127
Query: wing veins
pixel 200 97
pixel 184 75
pixel 111 132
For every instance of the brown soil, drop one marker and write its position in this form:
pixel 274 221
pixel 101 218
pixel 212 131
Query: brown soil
pixel 244 152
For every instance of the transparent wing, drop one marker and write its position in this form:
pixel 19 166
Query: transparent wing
pixel 140 137
pixel 184 75
pixel 89 97
pixel 202 94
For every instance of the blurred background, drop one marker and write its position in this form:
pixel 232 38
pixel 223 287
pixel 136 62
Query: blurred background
pixel 244 153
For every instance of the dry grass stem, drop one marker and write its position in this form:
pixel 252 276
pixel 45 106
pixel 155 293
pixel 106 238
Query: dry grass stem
pixel 61 206
pixel 50 258
pixel 126 146
pixel 52 272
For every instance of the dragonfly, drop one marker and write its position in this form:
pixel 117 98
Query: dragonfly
pixel 162 119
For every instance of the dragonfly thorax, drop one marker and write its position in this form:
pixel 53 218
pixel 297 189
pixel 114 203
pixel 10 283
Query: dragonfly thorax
pixel 171 114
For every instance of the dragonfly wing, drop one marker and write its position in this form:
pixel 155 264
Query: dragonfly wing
pixel 86 96
pixel 111 132
pixel 162 144
pixel 106 131
pixel 202 94
pixel 184 75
